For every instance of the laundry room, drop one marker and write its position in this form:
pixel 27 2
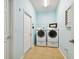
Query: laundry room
pixel 45 19
pixel 40 29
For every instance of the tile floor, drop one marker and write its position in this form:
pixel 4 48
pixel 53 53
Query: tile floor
pixel 43 53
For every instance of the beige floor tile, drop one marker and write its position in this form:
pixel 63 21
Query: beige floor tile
pixel 43 53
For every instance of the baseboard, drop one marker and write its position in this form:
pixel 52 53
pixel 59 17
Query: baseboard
pixel 25 53
pixel 33 45
pixel 22 57
pixel 62 53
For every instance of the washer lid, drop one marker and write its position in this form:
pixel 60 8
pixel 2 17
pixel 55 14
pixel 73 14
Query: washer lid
pixel 41 33
pixel 52 33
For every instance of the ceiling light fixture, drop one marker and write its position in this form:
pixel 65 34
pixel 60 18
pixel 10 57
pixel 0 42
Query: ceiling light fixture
pixel 45 3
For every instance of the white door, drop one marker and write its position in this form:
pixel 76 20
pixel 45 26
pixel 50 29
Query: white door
pixel 6 29
pixel 27 32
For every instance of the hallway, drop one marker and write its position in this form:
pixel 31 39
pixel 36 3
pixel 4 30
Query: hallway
pixel 33 23
pixel 43 53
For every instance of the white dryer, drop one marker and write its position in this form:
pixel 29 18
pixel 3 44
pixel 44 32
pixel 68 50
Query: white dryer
pixel 52 37
pixel 41 37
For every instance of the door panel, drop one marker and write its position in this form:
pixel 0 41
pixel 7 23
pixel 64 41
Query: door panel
pixel 6 29
pixel 27 32
pixel 5 49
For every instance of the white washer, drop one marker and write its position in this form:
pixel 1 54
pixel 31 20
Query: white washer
pixel 41 37
pixel 52 37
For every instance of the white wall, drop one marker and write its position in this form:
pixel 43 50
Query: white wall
pixel 18 25
pixel 45 18
pixel 64 34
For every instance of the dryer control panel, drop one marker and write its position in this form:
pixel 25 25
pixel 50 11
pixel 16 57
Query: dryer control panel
pixel 53 25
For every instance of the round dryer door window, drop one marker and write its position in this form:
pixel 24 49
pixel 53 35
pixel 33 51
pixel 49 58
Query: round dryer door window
pixel 41 33
pixel 52 33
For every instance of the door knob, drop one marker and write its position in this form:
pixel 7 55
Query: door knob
pixel 71 41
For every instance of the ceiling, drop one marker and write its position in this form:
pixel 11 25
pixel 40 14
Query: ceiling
pixel 39 5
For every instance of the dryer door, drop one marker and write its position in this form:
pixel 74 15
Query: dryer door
pixel 52 33
pixel 41 33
